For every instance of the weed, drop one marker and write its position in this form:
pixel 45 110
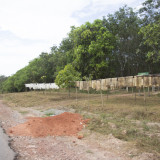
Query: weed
pixel 23 112
pixel 145 127
pixel 89 151
pixel 49 114
pixel 140 114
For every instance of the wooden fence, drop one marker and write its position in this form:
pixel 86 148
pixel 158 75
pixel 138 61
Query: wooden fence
pixel 120 82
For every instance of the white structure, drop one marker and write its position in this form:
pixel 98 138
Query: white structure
pixel 41 86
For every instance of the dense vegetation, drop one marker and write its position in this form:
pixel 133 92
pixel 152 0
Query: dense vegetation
pixel 121 44
pixel 2 79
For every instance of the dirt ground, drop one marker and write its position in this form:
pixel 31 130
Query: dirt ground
pixel 92 147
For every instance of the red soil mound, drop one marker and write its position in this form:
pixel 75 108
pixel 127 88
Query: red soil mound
pixel 67 124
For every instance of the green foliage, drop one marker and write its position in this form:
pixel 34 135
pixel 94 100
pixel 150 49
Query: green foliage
pixel 150 11
pixel 122 44
pixel 66 77
pixel 16 82
pixel 151 37
pixel 49 114
pixel 2 80
pixel 93 49
pixel 124 25
pixel 150 31
pixel 8 85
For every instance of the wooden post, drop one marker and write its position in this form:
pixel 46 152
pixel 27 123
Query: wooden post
pixel 88 87
pixel 135 98
pixel 139 89
pixel 144 95
pixel 88 93
pixel 127 89
pixel 69 89
pixel 153 88
pixel 101 95
pixel 132 85
pixel 76 96
pixel 148 91
pixel 107 93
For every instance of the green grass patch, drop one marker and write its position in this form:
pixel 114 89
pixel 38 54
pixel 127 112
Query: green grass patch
pixel 23 112
pixel 49 114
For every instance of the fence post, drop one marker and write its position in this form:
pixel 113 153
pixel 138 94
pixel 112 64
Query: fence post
pixel 88 93
pixel 153 88
pixel 135 96
pixel 139 90
pixel 69 89
pixel 144 95
pixel 127 89
pixel 76 96
pixel 101 94
pixel 132 85
pixel 107 93
pixel 148 91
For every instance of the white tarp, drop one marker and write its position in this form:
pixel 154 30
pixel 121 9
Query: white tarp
pixel 41 86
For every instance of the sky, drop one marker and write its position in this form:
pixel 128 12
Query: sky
pixel 29 27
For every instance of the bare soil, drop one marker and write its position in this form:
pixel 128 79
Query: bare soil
pixel 55 146
pixel 65 124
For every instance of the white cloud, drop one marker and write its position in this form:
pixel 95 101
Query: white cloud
pixel 10 65
pixel 39 19
pixel 29 27
pixel 15 53
pixel 19 51
pixel 99 8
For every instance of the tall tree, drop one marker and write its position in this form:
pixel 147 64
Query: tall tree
pixel 67 76
pixel 63 55
pixel 150 12
pixel 125 25
pixel 2 80
pixel 93 45
pixel 150 30
pixel 151 37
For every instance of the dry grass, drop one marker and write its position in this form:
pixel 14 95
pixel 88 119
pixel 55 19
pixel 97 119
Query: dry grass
pixel 120 114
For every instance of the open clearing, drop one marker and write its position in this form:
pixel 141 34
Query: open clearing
pixel 121 128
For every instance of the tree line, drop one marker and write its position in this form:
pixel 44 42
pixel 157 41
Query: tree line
pixel 121 44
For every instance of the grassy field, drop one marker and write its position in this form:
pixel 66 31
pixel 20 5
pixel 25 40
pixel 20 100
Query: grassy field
pixel 117 113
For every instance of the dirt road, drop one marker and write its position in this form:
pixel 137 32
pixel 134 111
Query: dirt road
pixel 91 147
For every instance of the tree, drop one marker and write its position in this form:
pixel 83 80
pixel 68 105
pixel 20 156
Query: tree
pixel 100 50
pixel 151 37
pixel 150 12
pixel 93 45
pixel 67 76
pixel 62 55
pixel 125 25
pixel 8 85
pixel 2 80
